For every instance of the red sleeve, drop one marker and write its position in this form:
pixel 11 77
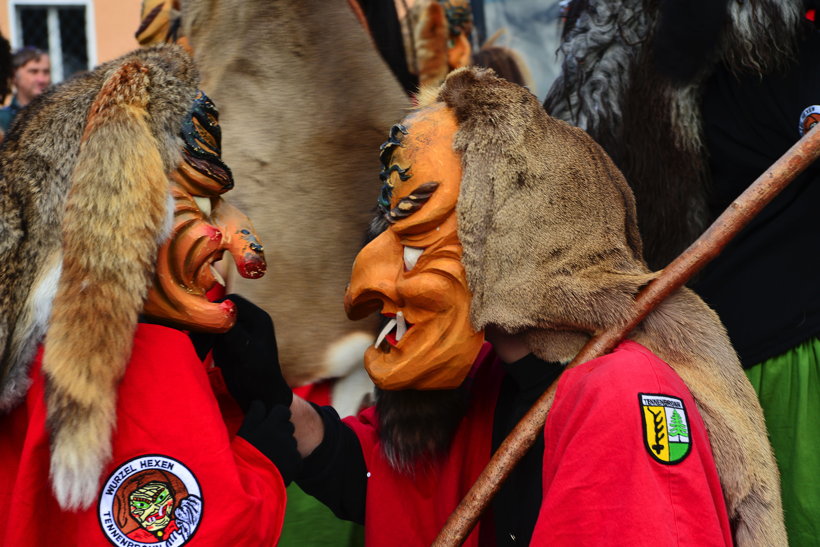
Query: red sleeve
pixel 168 406
pixel 169 429
pixel 602 484
pixel 260 518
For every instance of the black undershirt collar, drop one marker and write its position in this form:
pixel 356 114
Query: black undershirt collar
pixel 515 507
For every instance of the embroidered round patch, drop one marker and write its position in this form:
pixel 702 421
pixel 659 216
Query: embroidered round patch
pixel 150 500
pixel 665 427
pixel 808 119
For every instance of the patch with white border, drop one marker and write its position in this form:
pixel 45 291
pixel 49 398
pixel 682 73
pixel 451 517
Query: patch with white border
pixel 150 500
pixel 666 433
pixel 808 119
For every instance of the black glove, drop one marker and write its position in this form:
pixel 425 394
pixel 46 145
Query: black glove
pixel 248 357
pixel 271 433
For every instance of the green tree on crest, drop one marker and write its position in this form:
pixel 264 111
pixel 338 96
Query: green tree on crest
pixel 676 426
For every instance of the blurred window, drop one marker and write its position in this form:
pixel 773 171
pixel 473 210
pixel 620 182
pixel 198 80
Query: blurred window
pixel 60 27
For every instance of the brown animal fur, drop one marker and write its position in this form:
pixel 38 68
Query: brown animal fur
pixel 305 100
pixel 610 85
pixel 84 185
pixel 552 250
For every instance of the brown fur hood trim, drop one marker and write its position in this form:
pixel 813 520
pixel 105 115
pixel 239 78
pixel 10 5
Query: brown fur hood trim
pixel 551 249
pixel 83 207
pixel 546 220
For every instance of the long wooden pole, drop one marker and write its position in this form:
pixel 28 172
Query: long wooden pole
pixel 674 276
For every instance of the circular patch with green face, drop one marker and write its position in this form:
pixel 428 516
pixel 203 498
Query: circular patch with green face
pixel 150 500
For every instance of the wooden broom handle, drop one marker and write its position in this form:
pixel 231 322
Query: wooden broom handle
pixel 701 252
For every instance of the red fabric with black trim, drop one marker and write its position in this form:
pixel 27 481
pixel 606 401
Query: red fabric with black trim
pixel 601 485
pixel 168 404
pixel 411 509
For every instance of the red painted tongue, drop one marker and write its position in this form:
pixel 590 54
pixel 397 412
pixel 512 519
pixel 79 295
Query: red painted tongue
pixel 391 336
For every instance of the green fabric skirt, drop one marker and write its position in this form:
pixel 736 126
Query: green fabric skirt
pixel 789 389
pixel 309 523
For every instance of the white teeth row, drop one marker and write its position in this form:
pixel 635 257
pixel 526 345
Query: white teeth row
pixel 411 256
pixel 401 328
pixel 217 275
pixel 204 205
pixel 387 328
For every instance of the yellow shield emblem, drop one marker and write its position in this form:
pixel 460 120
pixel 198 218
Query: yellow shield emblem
pixel 665 427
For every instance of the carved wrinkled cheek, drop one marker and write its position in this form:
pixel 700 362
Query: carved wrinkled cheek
pixel 427 291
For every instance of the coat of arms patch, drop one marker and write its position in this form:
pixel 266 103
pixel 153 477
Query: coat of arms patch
pixel 665 427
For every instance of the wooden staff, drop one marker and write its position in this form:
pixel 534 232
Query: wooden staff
pixel 701 252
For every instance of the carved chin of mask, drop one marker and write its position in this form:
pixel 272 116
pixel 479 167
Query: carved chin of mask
pixel 412 272
pixel 204 227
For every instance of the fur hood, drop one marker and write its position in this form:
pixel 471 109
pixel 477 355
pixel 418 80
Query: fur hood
pixel 84 204
pixel 551 250
pixel 546 220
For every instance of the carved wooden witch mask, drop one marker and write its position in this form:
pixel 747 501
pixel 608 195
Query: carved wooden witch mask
pixel 412 271
pixel 204 227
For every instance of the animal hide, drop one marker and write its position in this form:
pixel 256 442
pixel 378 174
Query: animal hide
pixel 552 251
pixel 305 101
pixel 83 207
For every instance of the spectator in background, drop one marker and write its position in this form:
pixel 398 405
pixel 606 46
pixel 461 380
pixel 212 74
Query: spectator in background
pixel 505 61
pixel 5 68
pixel 32 75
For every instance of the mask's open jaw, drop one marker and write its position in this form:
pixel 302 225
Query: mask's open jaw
pixel 392 333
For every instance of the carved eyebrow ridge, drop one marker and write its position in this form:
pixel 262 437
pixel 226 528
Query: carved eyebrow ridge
pixel 404 174
pixel 202 136
pixel 397 133
pixel 412 203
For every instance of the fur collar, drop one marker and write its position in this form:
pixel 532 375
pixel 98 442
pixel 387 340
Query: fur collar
pixel 80 225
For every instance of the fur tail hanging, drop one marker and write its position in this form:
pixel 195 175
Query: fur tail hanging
pixel 114 218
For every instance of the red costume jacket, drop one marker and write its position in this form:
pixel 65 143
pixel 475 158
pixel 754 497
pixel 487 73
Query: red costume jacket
pixel 172 433
pixel 611 476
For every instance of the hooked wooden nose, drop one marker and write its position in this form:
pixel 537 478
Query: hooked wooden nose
pixel 374 276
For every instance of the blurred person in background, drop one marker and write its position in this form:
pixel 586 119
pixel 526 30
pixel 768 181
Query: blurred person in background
pixel 506 62
pixel 32 75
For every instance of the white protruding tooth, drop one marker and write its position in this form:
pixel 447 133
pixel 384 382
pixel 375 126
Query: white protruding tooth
pixel 217 275
pixel 387 328
pixel 411 256
pixel 204 205
pixel 401 326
